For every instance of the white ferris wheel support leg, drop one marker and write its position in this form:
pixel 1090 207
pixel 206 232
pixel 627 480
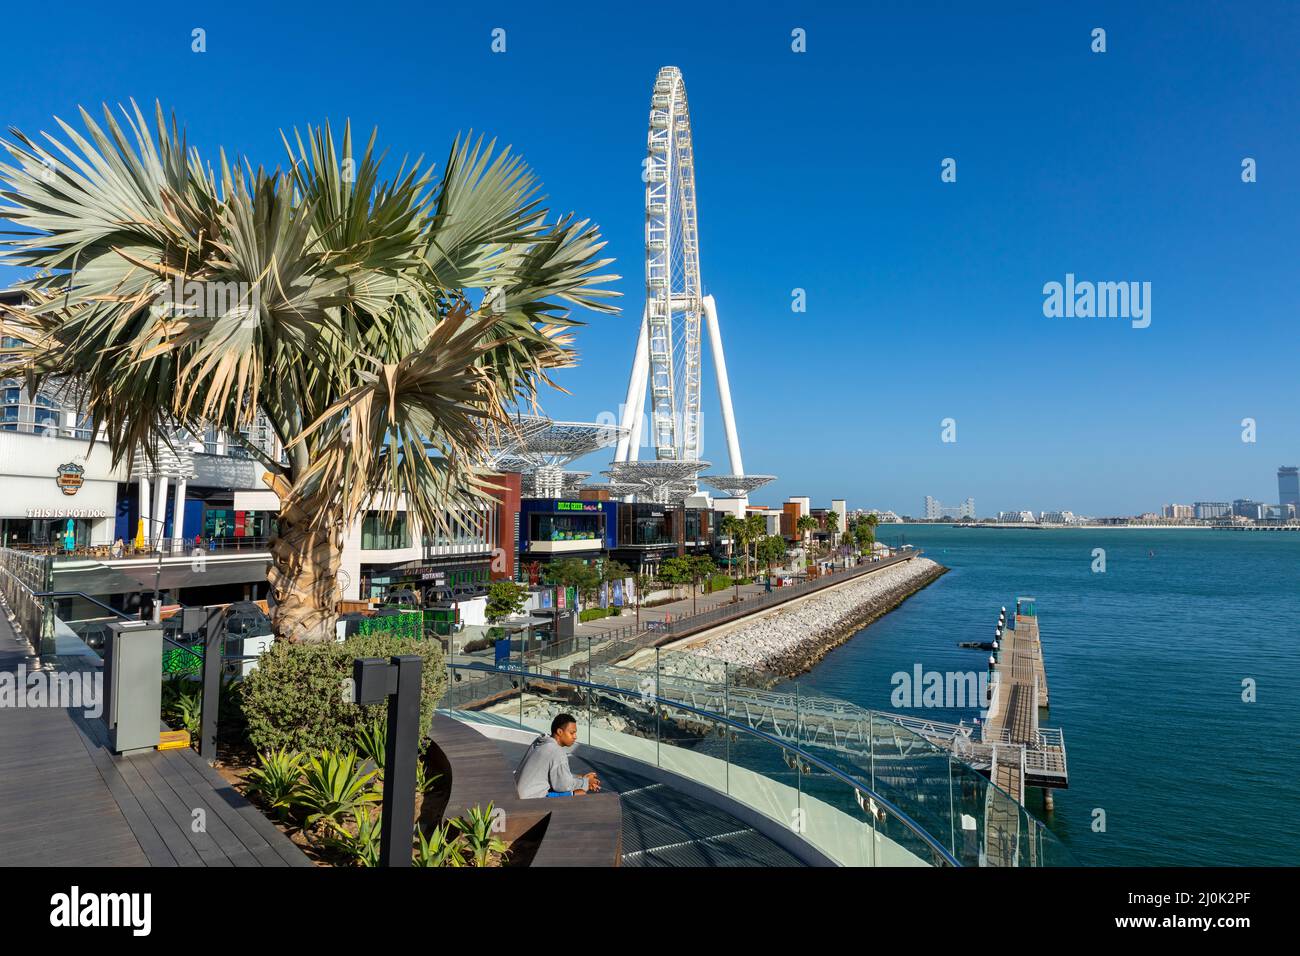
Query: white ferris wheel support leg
pixel 724 386
pixel 629 444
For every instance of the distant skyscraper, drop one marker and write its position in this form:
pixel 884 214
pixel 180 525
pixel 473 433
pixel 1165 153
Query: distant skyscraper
pixel 1288 486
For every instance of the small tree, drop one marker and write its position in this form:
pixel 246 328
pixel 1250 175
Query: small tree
pixel 643 582
pixel 864 532
pixel 734 529
pixel 755 529
pixel 770 550
pixel 806 525
pixel 831 525
pixel 674 572
pixel 576 574
pixel 701 569
pixel 505 599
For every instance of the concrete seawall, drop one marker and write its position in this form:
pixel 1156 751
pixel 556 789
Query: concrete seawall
pixel 790 639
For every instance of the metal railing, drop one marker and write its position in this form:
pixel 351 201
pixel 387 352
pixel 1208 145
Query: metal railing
pixel 940 782
pixel 126 550
pixel 876 812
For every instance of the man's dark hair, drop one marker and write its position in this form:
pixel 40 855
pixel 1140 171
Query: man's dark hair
pixel 561 721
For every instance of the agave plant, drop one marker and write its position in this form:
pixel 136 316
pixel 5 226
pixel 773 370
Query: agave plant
pixel 385 327
pixel 363 845
pixel 276 780
pixel 182 704
pixel 189 710
pixel 424 781
pixel 334 787
pixel 478 829
pixel 439 848
pixel 371 739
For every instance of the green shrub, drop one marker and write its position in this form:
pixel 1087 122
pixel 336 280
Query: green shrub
pixel 294 697
pixel 593 614
pixel 719 581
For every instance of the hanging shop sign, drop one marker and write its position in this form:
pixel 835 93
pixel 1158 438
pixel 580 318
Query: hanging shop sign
pixel 71 477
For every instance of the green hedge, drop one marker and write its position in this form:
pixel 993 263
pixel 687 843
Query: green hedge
pixel 719 581
pixel 593 614
pixel 294 697
pixel 408 624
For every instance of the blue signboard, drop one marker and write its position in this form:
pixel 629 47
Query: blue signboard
pixel 503 651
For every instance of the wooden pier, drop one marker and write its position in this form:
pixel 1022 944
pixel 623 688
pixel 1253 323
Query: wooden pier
pixel 1024 754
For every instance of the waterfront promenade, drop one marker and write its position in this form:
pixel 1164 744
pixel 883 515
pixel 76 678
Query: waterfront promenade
pixel 66 800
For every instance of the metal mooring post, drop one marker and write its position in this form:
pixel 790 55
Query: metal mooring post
pixel 398 680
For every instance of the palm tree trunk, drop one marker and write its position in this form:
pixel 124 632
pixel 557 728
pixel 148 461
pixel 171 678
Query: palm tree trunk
pixel 305 559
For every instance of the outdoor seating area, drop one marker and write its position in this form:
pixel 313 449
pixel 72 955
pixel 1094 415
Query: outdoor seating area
pixel 583 831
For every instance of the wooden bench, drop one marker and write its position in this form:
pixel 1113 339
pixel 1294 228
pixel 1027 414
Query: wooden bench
pixel 579 831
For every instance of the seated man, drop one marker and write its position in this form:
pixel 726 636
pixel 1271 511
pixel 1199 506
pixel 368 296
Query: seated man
pixel 544 771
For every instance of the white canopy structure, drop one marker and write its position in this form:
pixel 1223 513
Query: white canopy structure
pixel 540 449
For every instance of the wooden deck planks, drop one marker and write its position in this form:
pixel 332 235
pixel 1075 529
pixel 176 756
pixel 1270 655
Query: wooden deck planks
pixel 66 800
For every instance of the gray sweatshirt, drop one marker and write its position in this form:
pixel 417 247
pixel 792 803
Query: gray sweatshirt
pixel 545 767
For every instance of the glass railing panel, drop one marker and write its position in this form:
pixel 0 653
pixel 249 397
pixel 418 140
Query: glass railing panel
pixel 759 757
pixel 693 746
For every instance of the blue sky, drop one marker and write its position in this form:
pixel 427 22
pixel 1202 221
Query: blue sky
pixel 821 171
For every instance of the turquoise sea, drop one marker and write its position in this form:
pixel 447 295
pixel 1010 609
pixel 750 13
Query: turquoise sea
pixel 1146 664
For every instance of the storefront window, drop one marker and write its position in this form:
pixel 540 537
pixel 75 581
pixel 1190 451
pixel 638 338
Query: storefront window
pixel 586 526
pixel 380 533
pixel 644 524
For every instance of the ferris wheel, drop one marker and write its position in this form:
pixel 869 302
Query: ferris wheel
pixel 667 359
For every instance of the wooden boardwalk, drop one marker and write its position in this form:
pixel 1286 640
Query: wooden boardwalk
pixel 66 800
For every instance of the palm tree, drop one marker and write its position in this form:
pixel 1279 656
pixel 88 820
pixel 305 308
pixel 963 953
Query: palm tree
pixel 384 327
pixel 806 525
pixel 831 525
pixel 734 529
pixel 642 582
pixel 755 528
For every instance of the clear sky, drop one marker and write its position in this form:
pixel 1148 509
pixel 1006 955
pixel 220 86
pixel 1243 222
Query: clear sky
pixel 821 170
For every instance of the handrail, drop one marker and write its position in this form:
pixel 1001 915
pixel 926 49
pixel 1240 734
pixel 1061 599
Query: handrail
pixel 937 847
pixel 112 610
pixel 83 595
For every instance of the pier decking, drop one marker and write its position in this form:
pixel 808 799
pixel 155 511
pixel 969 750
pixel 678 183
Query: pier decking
pixel 1024 754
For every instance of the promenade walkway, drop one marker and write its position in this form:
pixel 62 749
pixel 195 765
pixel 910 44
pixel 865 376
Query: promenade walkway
pixel 67 800
pixel 674 610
